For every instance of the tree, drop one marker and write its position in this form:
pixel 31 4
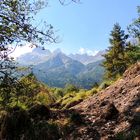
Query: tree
pixel 115 57
pixel 134 28
pixel 16 18
pixel 132 53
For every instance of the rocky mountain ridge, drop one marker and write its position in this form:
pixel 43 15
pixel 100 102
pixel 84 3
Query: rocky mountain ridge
pixel 87 59
pixel 39 55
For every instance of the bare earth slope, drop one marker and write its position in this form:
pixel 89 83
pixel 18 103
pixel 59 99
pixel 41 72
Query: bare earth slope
pixel 112 111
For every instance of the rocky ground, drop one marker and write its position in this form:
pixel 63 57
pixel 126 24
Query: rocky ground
pixel 113 113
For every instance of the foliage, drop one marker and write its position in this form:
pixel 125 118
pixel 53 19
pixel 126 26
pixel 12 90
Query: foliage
pixel 120 55
pixel 134 28
pixel 45 98
pixel 17 121
pixel 27 92
pixel 92 91
pixel 72 98
pixel 35 92
pixel 45 130
pixel 18 97
pixel 16 23
pixel 16 27
pixel 58 93
pixel 9 90
pixel 132 54
pixel 21 125
pixel 70 88
pixel 114 58
pixel 105 84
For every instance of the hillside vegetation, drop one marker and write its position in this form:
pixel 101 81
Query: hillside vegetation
pixel 72 113
pixel 32 110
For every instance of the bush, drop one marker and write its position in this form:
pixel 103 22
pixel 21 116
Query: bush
pixel 71 88
pixel 44 98
pixel 105 84
pixel 58 93
pixel 92 92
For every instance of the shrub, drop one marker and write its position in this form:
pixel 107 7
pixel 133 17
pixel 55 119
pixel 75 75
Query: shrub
pixel 105 84
pixel 92 92
pixel 58 93
pixel 44 98
pixel 71 88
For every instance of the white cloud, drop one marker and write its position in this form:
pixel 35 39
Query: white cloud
pixel 82 51
pixel 87 51
pixel 20 50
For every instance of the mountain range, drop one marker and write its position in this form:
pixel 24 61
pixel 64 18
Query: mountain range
pixel 86 59
pixel 58 69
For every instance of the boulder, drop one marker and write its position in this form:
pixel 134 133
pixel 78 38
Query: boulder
pixel 110 112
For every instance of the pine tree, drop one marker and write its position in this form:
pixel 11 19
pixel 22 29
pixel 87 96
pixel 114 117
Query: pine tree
pixel 132 53
pixel 115 57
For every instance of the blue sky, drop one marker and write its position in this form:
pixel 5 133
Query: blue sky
pixel 86 26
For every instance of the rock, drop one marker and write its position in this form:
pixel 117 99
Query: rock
pixel 104 103
pixel 110 113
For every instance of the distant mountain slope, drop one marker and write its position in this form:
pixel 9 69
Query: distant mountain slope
pixel 57 69
pixel 38 55
pixel 60 70
pixel 61 61
pixel 93 73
